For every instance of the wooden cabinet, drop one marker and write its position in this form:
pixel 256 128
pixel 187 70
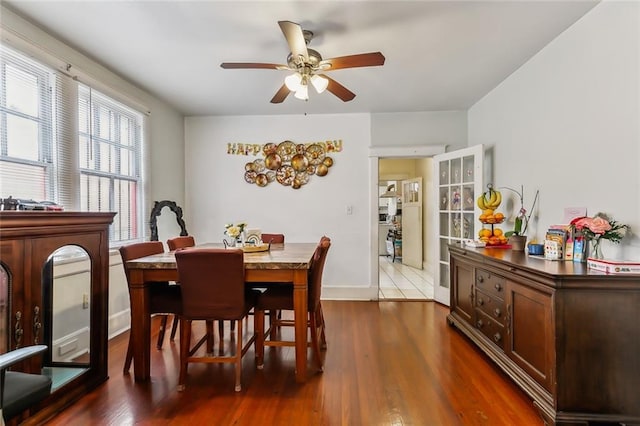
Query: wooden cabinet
pixel 33 244
pixel 568 336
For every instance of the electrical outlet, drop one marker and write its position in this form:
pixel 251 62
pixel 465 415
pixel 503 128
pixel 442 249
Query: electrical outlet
pixel 85 301
pixel 349 209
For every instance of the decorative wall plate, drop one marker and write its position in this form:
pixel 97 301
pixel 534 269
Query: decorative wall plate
pixel 285 175
pixel 273 161
pixel 286 150
pixel 262 180
pixel 250 176
pixel 315 154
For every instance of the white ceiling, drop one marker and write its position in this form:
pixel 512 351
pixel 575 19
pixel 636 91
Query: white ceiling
pixel 440 55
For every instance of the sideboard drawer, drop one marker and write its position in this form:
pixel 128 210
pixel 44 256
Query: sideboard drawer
pixel 491 305
pixel 490 328
pixel 490 283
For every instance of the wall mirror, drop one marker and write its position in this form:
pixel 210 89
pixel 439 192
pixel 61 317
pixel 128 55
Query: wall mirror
pixel 64 324
pixel 166 222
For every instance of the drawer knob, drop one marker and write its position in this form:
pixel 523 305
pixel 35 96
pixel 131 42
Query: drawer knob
pixel 480 279
pixel 497 312
pixel 498 287
pixel 497 337
pixel 480 323
pixel 480 301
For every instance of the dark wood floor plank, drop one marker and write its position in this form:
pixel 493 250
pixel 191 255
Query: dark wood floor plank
pixel 387 363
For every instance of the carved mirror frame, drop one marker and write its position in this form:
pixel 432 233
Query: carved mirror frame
pixel 155 212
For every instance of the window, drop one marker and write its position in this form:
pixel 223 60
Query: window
pixel 26 140
pixel 63 141
pixel 110 137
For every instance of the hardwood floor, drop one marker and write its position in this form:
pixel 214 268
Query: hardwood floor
pixel 387 363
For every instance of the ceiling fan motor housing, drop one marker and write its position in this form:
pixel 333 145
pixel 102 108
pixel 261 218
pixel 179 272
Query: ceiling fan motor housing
pixel 314 60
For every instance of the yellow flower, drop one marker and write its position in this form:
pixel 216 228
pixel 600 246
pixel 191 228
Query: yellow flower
pixel 233 231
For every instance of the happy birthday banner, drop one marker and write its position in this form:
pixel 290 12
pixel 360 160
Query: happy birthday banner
pixel 239 148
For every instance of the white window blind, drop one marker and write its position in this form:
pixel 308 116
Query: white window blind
pixel 66 142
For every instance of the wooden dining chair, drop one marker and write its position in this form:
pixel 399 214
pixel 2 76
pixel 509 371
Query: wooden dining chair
pixel 268 239
pixel 181 242
pixel 273 238
pixel 174 244
pixel 164 298
pixel 281 298
pixel 212 281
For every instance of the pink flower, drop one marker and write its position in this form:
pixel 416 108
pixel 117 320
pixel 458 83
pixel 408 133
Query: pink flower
pixel 599 225
pixel 583 222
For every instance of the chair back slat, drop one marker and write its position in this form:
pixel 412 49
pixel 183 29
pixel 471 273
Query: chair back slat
pixel 181 242
pixel 138 250
pixel 212 282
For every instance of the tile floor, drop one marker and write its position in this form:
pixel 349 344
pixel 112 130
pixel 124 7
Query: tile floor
pixel 398 281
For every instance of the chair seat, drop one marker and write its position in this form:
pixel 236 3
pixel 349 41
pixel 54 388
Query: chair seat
pixel 22 390
pixel 279 297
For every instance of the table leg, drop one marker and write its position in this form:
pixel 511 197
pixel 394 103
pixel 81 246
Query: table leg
pixel 300 291
pixel 140 326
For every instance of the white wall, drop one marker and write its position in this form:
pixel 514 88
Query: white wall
pixel 420 128
pixel 216 192
pixel 567 123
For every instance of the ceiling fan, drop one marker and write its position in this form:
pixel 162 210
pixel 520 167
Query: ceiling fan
pixel 308 66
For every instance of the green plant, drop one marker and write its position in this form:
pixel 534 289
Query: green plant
pixel 522 219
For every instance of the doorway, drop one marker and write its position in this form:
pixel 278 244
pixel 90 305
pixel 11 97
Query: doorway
pixel 395 280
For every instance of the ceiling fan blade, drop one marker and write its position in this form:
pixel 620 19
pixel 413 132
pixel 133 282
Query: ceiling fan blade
pixel 339 90
pixel 353 61
pixel 281 95
pixel 295 38
pixel 252 65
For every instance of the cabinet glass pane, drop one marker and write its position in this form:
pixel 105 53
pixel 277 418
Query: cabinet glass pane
pixel 468 169
pixel 459 226
pixel 456 171
pixel 444 275
pixel 444 250
pixel 444 224
pixel 455 198
pixel 468 199
pixel 468 223
pixel 444 172
pixel 444 198
pixel 4 310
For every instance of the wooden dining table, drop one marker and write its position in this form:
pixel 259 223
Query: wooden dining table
pixel 283 263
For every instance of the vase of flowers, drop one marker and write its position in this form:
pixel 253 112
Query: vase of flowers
pixel 236 233
pixel 598 228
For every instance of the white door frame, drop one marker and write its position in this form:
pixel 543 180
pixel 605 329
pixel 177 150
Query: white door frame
pixel 375 153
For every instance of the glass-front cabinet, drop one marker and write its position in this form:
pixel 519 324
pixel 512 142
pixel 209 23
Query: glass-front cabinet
pixel 459 178
pixel 54 292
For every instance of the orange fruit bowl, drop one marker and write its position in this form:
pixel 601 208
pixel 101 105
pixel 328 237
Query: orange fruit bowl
pixel 491 220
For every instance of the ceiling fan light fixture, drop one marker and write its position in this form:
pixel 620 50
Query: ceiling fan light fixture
pixel 319 83
pixel 302 93
pixel 293 82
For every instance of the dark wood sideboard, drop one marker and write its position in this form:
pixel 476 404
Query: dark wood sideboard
pixel 568 336
pixel 27 241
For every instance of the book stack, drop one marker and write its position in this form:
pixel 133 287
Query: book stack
pixel 614 266
pixel 555 244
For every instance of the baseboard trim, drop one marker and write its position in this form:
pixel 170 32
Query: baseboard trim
pixel 349 293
